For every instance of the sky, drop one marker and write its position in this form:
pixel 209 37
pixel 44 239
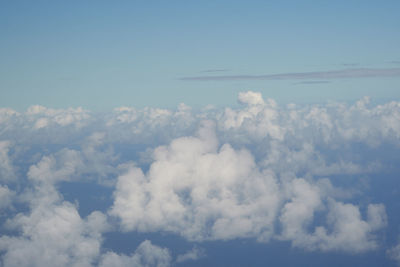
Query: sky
pixel 61 54
pixel 199 133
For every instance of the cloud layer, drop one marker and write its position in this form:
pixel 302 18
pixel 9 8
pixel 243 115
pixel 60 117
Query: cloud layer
pixel 296 174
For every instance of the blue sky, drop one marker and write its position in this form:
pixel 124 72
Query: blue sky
pixel 102 54
pixel 199 133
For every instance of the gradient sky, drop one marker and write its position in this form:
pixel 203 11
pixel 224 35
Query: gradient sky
pixel 134 177
pixel 103 54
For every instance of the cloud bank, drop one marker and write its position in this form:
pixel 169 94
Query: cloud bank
pixel 264 172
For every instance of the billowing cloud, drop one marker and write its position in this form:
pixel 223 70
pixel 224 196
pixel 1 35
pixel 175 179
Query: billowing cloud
pixel 44 117
pixel 345 230
pixel 52 233
pixel 264 172
pixel 202 193
pixel 199 191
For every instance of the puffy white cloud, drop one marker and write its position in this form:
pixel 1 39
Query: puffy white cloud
pixel 251 98
pixel 257 119
pixel 199 191
pixel 259 171
pixel 6 167
pixel 43 116
pixel 204 193
pixel 7 114
pixel 193 254
pixel 394 253
pixel 296 214
pixel 53 234
pixel 57 167
pixel 6 197
pixel 145 255
pixel 345 229
pixel 89 161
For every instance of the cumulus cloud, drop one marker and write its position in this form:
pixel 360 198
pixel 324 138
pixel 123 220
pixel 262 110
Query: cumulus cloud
pixel 6 197
pixel 193 254
pixel 53 233
pixel 204 193
pixel 146 255
pixel 44 117
pixel 199 191
pixel 260 171
pixel 345 229
pixel 394 253
pixel 6 167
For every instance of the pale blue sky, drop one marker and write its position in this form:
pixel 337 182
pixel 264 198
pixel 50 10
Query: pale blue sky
pixel 104 54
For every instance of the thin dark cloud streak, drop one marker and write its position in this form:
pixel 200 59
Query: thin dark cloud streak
pixel 350 64
pixel 214 70
pixel 313 82
pixel 324 75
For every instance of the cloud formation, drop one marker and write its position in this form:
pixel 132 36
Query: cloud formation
pixel 146 255
pixel 264 172
pixel 192 255
pixel 199 191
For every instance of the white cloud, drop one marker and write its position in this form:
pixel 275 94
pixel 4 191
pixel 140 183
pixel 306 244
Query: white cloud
pixel 146 255
pixel 345 229
pixel 251 98
pixel 7 114
pixel 6 197
pixel 192 255
pixel 199 191
pixel 394 253
pixel 260 171
pixel 53 235
pixel 59 167
pixel 43 116
pixel 6 167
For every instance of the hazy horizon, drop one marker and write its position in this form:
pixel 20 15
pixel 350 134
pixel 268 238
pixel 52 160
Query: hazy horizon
pixel 199 133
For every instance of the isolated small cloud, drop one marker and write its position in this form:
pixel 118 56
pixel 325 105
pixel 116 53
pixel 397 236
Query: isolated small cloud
pixel 394 253
pixel 192 255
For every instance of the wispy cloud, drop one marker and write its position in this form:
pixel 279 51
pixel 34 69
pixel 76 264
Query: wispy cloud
pixel 350 64
pixel 214 70
pixel 333 74
pixel 312 82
